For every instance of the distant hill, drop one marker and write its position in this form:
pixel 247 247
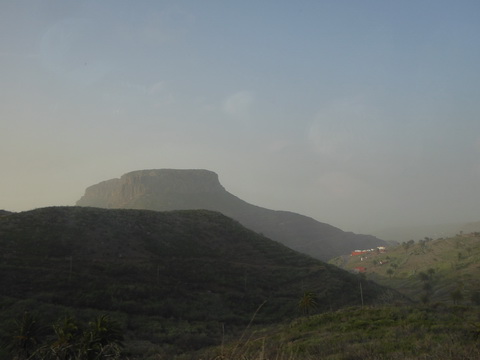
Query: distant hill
pixel 171 278
pixel 426 270
pixel 471 227
pixel 406 233
pixel 170 189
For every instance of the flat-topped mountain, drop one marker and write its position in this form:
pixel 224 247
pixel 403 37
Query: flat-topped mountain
pixel 170 189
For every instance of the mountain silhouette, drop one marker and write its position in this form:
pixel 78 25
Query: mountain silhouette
pixel 173 189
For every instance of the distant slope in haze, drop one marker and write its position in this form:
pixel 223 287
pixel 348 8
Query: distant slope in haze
pixel 406 233
pixel 401 234
pixel 170 189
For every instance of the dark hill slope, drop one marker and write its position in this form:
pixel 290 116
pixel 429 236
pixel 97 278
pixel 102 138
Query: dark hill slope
pixel 169 189
pixel 172 278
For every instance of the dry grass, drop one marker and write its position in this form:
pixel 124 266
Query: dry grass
pixel 434 332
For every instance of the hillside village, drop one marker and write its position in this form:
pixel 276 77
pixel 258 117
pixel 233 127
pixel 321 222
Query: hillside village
pixel 426 269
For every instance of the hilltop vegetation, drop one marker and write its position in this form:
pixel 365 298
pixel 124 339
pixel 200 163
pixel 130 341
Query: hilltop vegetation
pixel 173 281
pixel 444 270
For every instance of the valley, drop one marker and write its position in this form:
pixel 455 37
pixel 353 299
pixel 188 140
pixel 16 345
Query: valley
pixel 164 262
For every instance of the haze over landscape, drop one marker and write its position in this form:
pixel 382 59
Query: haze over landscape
pixel 363 115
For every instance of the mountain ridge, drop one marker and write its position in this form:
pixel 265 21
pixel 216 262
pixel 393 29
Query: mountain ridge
pixel 182 189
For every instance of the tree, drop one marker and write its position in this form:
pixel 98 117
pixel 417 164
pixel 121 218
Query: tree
pixel 66 345
pixel 456 296
pixel 425 298
pixel 26 336
pixel 423 245
pixel 102 339
pixel 426 278
pixel 390 272
pixel 308 302
pixel 475 297
pixel 427 286
pixel 423 277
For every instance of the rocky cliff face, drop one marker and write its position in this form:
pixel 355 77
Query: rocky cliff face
pixel 170 189
pixel 137 186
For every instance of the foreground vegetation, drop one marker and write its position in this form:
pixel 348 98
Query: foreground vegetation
pixel 434 331
pixel 67 339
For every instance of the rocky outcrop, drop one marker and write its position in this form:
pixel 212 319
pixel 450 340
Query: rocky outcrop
pixel 135 188
pixel 171 189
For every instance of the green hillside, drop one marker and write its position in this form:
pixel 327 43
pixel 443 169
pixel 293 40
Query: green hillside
pixel 428 270
pixel 437 332
pixel 174 281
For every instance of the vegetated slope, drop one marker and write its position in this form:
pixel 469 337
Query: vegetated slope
pixel 428 270
pixel 170 189
pixel 369 333
pixel 171 278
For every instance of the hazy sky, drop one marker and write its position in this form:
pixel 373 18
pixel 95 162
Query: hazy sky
pixel 361 114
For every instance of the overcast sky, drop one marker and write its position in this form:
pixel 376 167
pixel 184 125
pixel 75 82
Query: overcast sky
pixel 361 114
